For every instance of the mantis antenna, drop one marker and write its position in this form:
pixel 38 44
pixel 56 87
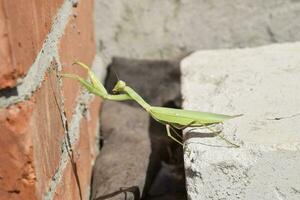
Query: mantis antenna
pixel 115 73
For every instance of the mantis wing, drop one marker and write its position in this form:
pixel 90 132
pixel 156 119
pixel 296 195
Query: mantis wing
pixel 185 117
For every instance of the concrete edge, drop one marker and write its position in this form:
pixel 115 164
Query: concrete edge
pixel 195 53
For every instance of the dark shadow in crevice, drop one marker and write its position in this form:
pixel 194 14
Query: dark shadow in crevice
pixel 165 174
pixel 8 92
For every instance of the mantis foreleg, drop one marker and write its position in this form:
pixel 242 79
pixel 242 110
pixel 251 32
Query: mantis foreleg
pixel 96 90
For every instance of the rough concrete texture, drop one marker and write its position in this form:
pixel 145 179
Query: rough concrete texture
pixel 162 29
pixel 122 163
pixel 263 84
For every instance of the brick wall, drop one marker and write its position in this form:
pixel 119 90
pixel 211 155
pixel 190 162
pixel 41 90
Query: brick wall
pixel 48 125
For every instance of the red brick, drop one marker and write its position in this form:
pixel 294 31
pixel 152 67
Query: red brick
pixel 93 125
pixel 32 131
pixel 16 152
pixel 48 132
pixel 23 28
pixel 77 44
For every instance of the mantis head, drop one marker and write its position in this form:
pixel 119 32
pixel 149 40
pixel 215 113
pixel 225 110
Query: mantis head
pixel 119 87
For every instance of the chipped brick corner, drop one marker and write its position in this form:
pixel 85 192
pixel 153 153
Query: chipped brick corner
pixel 48 125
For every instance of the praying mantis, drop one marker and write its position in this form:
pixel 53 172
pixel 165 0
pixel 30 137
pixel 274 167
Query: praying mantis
pixel 173 119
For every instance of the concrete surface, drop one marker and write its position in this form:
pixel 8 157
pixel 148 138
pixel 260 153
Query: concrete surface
pixel 163 29
pixel 263 84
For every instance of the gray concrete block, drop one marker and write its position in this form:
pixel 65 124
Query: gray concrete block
pixel 263 84
pixel 121 167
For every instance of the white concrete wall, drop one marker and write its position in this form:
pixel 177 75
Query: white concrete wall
pixel 263 84
pixel 163 29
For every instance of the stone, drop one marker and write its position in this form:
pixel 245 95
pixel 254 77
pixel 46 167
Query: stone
pixel 123 161
pixel 262 84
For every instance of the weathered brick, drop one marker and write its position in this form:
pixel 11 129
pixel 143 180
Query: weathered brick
pixel 16 152
pixel 32 132
pixel 47 131
pixel 77 43
pixel 93 125
pixel 23 28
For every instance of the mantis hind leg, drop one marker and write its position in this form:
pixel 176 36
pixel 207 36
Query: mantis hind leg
pixel 174 131
pixel 181 127
pixel 218 133
pixel 169 128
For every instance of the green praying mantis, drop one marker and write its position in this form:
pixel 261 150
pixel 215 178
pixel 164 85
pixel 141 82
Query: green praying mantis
pixel 173 119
